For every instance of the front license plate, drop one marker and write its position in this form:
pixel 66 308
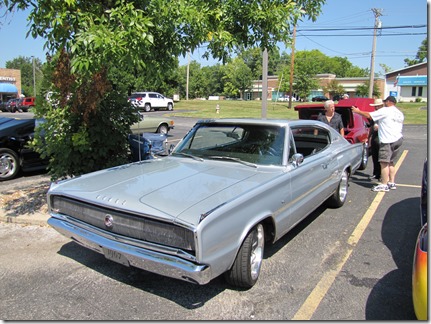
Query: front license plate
pixel 115 256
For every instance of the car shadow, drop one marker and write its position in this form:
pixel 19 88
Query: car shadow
pixel 391 296
pixel 185 294
pixel 272 249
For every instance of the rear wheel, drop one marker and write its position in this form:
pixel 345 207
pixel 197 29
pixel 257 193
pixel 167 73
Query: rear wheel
pixel 170 106
pixel 246 268
pixel 147 107
pixel 340 195
pixel 9 164
pixel 364 159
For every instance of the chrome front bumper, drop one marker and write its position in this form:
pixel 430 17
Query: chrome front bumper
pixel 130 255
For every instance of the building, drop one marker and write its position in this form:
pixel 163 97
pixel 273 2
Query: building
pixel 409 84
pixel 10 84
pixel 349 85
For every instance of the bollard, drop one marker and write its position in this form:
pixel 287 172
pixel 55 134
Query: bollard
pixel 217 109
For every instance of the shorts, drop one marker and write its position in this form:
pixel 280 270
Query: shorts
pixel 389 151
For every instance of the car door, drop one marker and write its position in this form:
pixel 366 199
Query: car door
pixel 312 181
pixel 155 100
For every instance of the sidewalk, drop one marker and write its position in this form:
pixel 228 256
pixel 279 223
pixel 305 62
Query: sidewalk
pixel 25 204
pixel 37 218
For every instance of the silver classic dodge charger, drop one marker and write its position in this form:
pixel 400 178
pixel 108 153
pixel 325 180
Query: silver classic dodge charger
pixel 229 187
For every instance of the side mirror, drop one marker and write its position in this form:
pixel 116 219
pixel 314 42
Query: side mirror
pixel 297 159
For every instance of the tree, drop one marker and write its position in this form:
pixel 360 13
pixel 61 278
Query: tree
pixel 25 64
pixel 238 78
pixel 421 55
pixel 86 40
pixel 334 88
pixel 362 90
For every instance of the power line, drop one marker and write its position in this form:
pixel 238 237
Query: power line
pixel 355 35
pixel 360 28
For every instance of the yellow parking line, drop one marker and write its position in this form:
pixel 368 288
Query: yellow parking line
pixel 313 300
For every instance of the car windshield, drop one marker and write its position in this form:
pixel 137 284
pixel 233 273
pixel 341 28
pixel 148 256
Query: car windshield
pixel 247 144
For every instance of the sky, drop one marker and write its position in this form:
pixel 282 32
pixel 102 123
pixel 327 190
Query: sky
pixel 392 46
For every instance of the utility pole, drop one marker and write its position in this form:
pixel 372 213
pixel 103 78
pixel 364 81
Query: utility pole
pixel 292 65
pixel 188 71
pixel 264 82
pixel 34 78
pixel 377 25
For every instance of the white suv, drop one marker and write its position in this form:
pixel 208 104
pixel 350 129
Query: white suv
pixel 151 100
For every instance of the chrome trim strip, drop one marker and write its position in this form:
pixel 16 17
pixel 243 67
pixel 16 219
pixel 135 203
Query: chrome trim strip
pixel 123 239
pixel 139 257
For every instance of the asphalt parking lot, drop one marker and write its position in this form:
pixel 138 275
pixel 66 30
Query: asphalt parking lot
pixel 352 263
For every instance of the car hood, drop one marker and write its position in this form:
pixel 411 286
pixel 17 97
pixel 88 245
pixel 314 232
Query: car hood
pixel 8 125
pixel 170 188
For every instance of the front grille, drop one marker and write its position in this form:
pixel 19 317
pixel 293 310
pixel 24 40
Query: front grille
pixel 129 225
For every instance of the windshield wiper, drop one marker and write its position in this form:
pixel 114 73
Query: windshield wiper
pixel 229 158
pixel 189 155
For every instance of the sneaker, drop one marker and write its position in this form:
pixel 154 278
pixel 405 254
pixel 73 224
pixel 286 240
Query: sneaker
pixel 392 186
pixel 380 187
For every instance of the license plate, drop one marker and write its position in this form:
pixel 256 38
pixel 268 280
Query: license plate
pixel 116 256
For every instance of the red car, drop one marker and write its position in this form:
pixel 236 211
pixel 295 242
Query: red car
pixel 356 127
pixel 26 103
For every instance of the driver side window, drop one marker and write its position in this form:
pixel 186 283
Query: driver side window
pixel 309 140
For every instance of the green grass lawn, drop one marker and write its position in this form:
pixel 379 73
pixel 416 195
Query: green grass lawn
pixel 275 110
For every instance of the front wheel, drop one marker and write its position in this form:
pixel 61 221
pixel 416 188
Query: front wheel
pixel 340 195
pixel 163 129
pixel 9 164
pixel 246 268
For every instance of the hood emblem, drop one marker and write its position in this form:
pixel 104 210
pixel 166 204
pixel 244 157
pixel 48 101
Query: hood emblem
pixel 109 221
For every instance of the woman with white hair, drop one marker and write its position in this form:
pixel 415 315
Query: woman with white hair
pixel 331 117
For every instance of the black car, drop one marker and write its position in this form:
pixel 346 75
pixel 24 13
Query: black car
pixel 319 98
pixel 15 155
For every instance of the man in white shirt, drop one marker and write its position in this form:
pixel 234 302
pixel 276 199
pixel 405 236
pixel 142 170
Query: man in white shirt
pixel 390 120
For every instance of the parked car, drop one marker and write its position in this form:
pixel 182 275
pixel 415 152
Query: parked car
pixel 420 259
pixel 356 127
pixel 11 105
pixel 286 98
pixel 319 98
pixel 229 187
pixel 15 155
pixel 149 124
pixel 3 106
pixel 15 134
pixel 150 100
pixel 26 103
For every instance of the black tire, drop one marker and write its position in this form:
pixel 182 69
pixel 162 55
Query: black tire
pixel 163 129
pixel 9 164
pixel 340 195
pixel 246 268
pixel 170 106
pixel 147 107
pixel 364 159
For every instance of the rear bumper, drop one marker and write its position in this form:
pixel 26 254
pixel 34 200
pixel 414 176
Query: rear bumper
pixel 132 255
